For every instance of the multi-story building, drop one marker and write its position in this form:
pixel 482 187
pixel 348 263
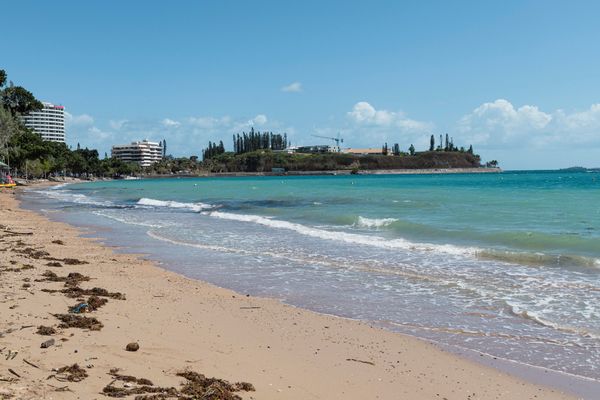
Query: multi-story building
pixel 144 153
pixel 49 122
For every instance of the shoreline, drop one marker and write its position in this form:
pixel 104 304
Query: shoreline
pixel 284 351
pixel 481 170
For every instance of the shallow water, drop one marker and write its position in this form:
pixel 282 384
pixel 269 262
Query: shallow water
pixel 507 264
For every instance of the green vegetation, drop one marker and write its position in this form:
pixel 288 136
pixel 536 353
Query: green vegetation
pixel 265 160
pixel 28 155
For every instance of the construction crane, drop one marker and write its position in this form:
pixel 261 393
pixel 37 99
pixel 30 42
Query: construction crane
pixel 337 140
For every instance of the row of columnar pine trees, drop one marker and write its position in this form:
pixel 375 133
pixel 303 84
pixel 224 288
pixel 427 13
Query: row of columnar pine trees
pixel 447 145
pixel 255 140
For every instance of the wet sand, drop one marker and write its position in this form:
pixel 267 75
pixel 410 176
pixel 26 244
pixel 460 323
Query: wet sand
pixel 182 324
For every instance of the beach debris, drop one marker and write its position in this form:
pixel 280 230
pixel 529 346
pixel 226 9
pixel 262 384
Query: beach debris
pixel 360 361
pixel 10 232
pixel 33 253
pixel 72 279
pixel 128 378
pixel 10 355
pixel 58 241
pixel 68 261
pixel 46 330
pixel 30 363
pixel 95 302
pixel 47 343
pixel 75 292
pixel 70 373
pixel 201 387
pixel 133 346
pixel 79 308
pixel 54 264
pixel 195 386
pixel 78 321
pixel 14 373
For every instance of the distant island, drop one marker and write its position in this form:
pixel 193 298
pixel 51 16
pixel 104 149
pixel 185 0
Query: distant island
pixel 579 169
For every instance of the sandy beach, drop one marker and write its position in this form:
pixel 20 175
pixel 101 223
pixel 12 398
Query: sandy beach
pixel 187 325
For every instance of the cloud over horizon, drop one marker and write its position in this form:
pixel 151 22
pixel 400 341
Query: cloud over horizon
pixel 499 124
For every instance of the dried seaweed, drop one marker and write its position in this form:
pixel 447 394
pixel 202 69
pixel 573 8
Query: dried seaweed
pixel 78 321
pixel 45 330
pixel 195 387
pixel 70 373
pixel 33 253
pixel 72 279
pixel 75 292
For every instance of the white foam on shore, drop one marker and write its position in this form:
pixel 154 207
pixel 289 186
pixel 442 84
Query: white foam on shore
pixel 196 207
pixel 69 197
pixel 363 222
pixel 519 311
pixel 353 238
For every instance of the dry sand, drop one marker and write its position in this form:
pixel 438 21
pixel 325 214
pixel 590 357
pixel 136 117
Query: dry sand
pixel 179 323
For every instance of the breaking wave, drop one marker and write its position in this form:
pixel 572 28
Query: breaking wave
pixel 363 222
pixel 196 207
pixel 374 241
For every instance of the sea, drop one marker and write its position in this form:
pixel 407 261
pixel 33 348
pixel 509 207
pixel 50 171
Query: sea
pixel 502 264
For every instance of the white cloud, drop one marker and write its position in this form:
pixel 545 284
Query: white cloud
pixel 365 114
pixel 78 120
pixel 260 119
pixel 209 122
pixel 169 123
pixel 292 87
pixel 501 124
pixel 117 124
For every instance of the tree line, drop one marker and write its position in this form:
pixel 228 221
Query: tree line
pixel 447 146
pixel 28 155
pixel 255 140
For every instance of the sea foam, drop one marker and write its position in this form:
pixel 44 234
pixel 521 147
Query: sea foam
pixel 363 222
pixel 353 238
pixel 196 207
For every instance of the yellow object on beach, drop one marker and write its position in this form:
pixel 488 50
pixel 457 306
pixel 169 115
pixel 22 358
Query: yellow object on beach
pixel 7 185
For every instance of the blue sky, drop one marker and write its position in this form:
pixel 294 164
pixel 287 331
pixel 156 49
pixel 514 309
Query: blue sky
pixel 517 79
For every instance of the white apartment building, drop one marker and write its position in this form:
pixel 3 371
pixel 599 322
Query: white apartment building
pixel 49 122
pixel 144 153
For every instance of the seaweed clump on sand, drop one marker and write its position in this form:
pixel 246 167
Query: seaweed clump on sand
pixel 33 253
pixel 78 321
pixel 45 330
pixel 68 261
pixel 199 386
pixel 195 387
pixel 70 373
pixel 72 279
pixel 75 292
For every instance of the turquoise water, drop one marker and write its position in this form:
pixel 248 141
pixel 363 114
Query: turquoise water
pixel 507 264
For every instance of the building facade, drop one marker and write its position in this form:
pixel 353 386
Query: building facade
pixel 144 153
pixel 49 122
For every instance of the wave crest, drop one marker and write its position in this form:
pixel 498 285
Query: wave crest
pixel 196 207
pixel 363 222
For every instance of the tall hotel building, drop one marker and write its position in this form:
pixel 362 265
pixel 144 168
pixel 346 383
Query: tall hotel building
pixel 144 153
pixel 49 122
